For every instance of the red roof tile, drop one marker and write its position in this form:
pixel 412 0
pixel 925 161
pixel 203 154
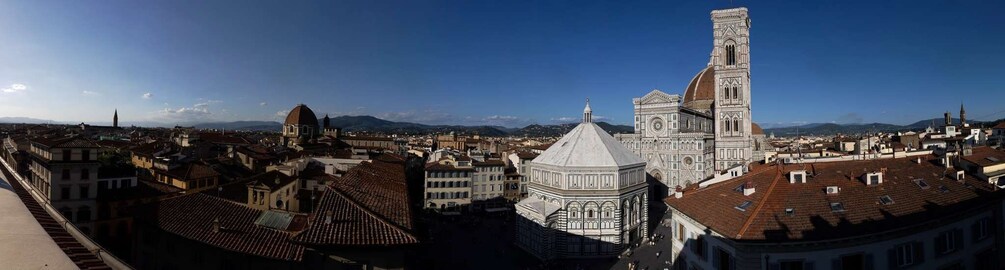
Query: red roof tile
pixel 985 156
pixel 192 216
pixel 812 219
pixel 369 206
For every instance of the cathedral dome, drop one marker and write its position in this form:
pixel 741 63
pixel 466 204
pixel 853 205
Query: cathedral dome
pixel 301 115
pixel 700 93
pixel 755 129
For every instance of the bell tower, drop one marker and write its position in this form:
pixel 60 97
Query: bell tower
pixel 731 108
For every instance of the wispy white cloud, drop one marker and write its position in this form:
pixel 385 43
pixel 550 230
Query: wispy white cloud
pixel 148 96
pixel 206 103
pixel 184 114
pixel 14 88
pixel 90 93
pixel 263 104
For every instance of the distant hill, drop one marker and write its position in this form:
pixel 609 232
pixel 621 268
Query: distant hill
pixel 26 120
pixel 366 123
pixel 832 129
pixel 242 125
pixel 370 124
pixel 562 129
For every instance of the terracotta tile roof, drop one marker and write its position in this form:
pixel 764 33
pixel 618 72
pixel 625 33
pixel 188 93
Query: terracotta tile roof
pixel 191 171
pixel 256 152
pixel 1000 125
pixel 301 115
pixel 65 142
pixel 192 216
pixel 442 167
pixel 702 86
pixel 756 129
pixel 489 163
pixel 367 138
pixel 985 156
pixel 114 144
pixel 218 138
pixel 812 219
pixel 350 224
pixel 526 155
pixel 369 206
pixel 380 187
pixel 273 180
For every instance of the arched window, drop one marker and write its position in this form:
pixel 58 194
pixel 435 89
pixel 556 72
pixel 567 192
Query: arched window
pixel 736 125
pixel 730 55
pixel 589 213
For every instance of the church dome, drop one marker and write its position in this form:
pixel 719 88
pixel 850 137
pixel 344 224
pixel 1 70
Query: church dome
pixel 700 93
pixel 301 115
pixel 588 145
pixel 755 129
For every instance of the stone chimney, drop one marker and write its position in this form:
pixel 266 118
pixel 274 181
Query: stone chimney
pixel 216 225
pixel 748 188
pixel 678 192
pixel 329 215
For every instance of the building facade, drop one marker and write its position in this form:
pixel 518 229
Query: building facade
pixel 487 182
pixel 448 184
pixel 65 170
pixel 587 197
pixel 687 139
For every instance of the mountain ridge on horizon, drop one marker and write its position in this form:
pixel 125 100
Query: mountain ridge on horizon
pixel 367 123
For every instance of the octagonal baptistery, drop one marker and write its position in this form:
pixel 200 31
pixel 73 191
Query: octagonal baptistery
pixel 586 197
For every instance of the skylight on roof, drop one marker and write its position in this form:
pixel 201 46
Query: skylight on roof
pixel 992 159
pixel 921 183
pixel 837 207
pixel 790 211
pixel 886 200
pixel 743 206
pixel 943 189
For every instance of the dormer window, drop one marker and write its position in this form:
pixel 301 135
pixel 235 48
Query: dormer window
pixel 873 178
pixel 960 175
pixel 797 177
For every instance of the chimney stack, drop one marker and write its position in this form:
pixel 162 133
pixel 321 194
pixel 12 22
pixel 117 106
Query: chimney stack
pixel 216 225
pixel 329 215
pixel 748 188
pixel 679 192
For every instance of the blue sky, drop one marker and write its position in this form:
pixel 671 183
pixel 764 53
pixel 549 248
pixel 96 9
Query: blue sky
pixel 488 62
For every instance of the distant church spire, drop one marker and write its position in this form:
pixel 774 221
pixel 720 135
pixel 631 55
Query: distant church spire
pixel 115 118
pixel 587 112
pixel 327 121
pixel 963 115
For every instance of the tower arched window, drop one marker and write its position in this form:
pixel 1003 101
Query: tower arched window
pixel 730 55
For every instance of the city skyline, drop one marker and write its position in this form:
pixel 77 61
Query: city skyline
pixel 346 59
